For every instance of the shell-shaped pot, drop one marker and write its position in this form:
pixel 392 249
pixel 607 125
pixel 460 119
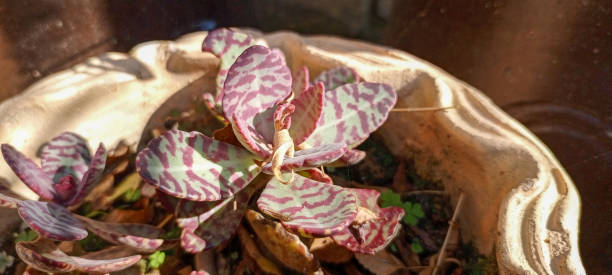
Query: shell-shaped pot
pixel 519 201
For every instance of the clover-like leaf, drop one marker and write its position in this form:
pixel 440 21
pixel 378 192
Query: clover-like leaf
pixel 29 173
pixel 308 111
pixel 285 246
pixel 375 234
pixel 337 77
pixel 218 224
pixel 66 154
pixel 51 220
pixel 351 112
pixel 310 158
pixel 309 207
pixel 140 237
pixel 256 82
pixel 301 81
pixel 227 45
pixel 193 166
pixel 45 256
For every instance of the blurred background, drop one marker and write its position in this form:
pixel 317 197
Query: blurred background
pixel 548 63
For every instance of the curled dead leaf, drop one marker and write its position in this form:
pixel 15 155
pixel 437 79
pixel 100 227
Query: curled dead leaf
pixel 381 263
pixel 251 249
pixel 327 250
pixel 284 245
pixel 142 214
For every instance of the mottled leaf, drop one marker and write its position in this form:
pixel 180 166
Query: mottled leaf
pixel 337 77
pixel 140 237
pixel 255 84
pixel 316 175
pixel 227 45
pixel 189 214
pixel 300 81
pixel 310 158
pixel 66 154
pixel 213 106
pixel 195 167
pixel 217 225
pixel 350 157
pixel 308 111
pixel 285 246
pixel 32 175
pixel 7 201
pixel 51 220
pixel 92 176
pixel 375 234
pixel 351 112
pixel 309 207
pixel 43 255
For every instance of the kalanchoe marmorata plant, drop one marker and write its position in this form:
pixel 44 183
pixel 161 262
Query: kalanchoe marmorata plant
pixel 67 174
pixel 282 126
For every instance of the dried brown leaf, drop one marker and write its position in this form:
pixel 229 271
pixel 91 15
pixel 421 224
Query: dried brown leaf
pixel 143 215
pixel 285 246
pixel 205 261
pixel 326 250
pixel 381 263
pixel 262 262
pixel 226 134
pixel 400 184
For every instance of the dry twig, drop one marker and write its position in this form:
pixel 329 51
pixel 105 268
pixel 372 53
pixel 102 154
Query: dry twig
pixel 452 225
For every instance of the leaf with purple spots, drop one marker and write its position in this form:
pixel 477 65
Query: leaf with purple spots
pixel 92 176
pixel 308 111
pixel 8 201
pixel 29 173
pixel 255 84
pixel 139 237
pixel 227 45
pixel 216 225
pixel 337 77
pixel 45 256
pixel 310 158
pixel 66 154
pixel 352 112
pixel 301 81
pixel 193 166
pixel 51 220
pixel 375 234
pixel 309 207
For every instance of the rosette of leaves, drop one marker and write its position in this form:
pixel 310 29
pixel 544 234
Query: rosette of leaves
pixel 67 174
pixel 278 125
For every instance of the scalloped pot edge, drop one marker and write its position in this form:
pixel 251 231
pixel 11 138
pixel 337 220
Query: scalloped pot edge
pixel 519 201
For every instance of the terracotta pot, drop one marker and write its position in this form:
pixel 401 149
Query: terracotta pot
pixel 519 202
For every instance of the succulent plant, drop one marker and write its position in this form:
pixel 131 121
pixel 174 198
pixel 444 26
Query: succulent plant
pixel 67 174
pixel 280 131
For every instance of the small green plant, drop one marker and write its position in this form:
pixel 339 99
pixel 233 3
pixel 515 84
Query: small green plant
pixel 26 236
pixel 413 211
pixel 156 260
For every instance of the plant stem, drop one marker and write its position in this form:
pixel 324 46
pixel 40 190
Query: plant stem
pixel 452 225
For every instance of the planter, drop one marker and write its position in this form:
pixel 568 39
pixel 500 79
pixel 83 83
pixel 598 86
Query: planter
pixel 519 202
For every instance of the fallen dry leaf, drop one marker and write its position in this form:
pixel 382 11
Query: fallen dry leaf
pixel 226 134
pixel 285 246
pixel 205 261
pixel 262 262
pixel 381 263
pixel 326 250
pixel 400 184
pixel 142 214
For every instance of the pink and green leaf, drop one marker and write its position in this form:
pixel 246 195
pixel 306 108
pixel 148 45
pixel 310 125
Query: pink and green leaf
pixel 350 157
pixel 8 201
pixel 316 174
pixel 140 237
pixel 91 177
pixel 51 220
pixel 337 77
pixel 216 225
pixel 255 84
pixel 301 81
pixel 308 111
pixel 372 235
pixel 45 256
pixel 66 154
pixel 193 166
pixel 351 112
pixel 309 207
pixel 29 173
pixel 310 158
pixel 227 45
